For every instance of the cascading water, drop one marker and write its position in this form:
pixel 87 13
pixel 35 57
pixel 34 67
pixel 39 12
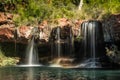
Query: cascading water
pixel 32 58
pixel 71 43
pixel 93 44
pixel 32 55
pixel 62 46
pixel 58 43
pixel 57 47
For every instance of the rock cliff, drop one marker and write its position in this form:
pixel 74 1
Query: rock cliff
pixel 10 33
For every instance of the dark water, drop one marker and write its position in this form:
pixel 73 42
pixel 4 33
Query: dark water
pixel 47 73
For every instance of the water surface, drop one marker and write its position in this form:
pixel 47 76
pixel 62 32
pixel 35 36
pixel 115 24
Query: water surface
pixel 49 73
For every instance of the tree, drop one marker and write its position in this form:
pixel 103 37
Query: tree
pixel 80 5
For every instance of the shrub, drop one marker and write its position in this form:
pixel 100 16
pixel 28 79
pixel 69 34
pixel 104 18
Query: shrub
pixel 7 61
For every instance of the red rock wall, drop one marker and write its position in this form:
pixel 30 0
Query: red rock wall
pixel 6 27
pixel 9 32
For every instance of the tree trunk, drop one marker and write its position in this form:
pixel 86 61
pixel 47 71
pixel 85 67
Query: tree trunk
pixel 80 5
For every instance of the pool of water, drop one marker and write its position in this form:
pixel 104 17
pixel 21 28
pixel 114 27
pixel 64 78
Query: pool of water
pixel 50 73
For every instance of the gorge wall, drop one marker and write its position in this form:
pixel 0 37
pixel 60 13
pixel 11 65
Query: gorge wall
pixel 9 32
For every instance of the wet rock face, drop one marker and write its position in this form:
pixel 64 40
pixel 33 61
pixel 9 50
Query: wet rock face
pixel 113 23
pixel 64 33
pixel 9 32
pixel 24 31
pixel 6 27
pixel 22 34
pixel 6 34
pixel 77 29
pixel 116 26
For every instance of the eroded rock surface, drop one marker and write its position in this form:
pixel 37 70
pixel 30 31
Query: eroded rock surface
pixel 21 34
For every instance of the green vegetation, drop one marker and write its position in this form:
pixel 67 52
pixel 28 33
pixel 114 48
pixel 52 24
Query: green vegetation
pixel 32 11
pixel 113 53
pixel 6 51
pixel 7 61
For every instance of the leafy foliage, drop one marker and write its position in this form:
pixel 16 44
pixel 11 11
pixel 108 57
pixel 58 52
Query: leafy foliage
pixel 31 11
pixel 7 61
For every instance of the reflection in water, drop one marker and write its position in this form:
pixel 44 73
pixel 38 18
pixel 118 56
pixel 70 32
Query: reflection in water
pixel 46 73
pixel 30 74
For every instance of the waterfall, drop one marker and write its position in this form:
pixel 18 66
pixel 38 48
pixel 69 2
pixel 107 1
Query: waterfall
pixel 31 58
pixel 62 46
pixel 58 43
pixel 32 55
pixel 92 44
pixel 64 42
pixel 71 43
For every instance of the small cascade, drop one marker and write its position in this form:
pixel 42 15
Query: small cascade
pixel 32 58
pixel 58 43
pixel 32 52
pixel 93 44
pixel 32 55
pixel 62 45
pixel 62 42
pixel 71 43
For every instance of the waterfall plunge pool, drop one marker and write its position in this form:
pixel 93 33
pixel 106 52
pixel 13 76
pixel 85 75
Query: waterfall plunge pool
pixel 50 73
